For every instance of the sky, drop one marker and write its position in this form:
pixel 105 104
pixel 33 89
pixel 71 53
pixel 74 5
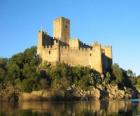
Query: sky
pixel 109 22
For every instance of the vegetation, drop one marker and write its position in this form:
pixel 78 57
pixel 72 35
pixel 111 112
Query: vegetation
pixel 24 72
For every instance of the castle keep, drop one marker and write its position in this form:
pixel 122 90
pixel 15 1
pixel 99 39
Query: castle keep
pixel 62 48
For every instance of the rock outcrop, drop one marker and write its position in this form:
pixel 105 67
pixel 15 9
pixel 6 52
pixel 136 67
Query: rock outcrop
pixel 75 93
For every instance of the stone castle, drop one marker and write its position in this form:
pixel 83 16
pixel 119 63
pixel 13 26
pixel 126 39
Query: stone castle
pixel 62 48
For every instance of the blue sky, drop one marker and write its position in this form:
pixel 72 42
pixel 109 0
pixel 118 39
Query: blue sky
pixel 114 22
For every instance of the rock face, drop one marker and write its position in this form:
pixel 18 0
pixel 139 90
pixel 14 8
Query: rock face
pixel 76 93
pixel 35 95
pixel 94 93
pixel 115 93
pixel 106 92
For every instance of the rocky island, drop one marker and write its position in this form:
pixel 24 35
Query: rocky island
pixel 61 68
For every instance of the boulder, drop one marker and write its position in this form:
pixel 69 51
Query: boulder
pixel 95 93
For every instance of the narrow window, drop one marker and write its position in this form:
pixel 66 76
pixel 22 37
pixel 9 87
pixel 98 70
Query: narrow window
pixel 49 52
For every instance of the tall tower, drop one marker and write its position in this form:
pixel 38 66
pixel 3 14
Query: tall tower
pixel 41 34
pixel 61 29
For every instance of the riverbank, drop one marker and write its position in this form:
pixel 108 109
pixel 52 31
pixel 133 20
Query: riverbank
pixel 110 92
pixel 72 93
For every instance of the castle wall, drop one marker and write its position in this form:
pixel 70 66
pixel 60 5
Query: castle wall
pixel 43 40
pixel 74 56
pixel 50 54
pixel 83 57
pixel 108 51
pixel 96 57
pixel 74 43
pixel 107 57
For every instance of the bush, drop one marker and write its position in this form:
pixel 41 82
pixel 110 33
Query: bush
pixel 27 85
pixel 117 73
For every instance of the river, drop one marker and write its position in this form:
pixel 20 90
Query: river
pixel 79 108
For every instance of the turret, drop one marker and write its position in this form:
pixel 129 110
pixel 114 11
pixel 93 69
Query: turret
pixel 41 40
pixel 95 58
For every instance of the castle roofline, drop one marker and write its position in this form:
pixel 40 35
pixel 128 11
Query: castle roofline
pixel 42 30
pixel 107 46
pixel 74 39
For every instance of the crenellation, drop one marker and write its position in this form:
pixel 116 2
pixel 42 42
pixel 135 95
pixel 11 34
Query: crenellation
pixel 84 49
pixel 49 46
pixel 62 48
pixel 80 49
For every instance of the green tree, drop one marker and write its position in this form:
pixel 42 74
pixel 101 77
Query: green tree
pixel 13 73
pixel 130 73
pixel 3 63
pixel 118 73
pixel 3 71
pixel 2 78
pixel 28 85
pixel 84 82
pixel 107 78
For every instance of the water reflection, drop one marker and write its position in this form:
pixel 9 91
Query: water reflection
pixel 97 108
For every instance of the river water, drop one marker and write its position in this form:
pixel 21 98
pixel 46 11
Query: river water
pixel 80 108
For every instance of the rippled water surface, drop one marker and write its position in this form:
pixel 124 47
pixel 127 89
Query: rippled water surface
pixel 94 108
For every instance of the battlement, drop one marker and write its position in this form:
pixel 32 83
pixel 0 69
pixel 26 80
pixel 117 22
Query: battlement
pixel 107 47
pixel 62 48
pixel 49 46
pixel 84 49
pixel 61 18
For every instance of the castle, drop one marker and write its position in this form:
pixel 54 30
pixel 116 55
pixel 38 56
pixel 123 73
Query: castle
pixel 62 48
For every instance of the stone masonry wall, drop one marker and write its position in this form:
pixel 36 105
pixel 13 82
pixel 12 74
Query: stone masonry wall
pixel 74 56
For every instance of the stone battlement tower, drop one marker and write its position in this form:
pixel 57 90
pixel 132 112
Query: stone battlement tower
pixel 61 29
pixel 62 48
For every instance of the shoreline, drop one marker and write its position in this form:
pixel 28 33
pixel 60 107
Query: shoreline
pixel 106 92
